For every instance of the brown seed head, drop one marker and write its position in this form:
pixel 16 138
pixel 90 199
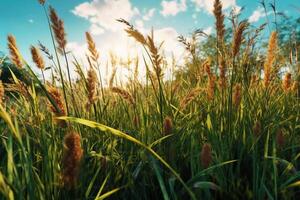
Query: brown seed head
pixel 189 97
pixel 206 155
pixel 14 51
pixel 237 95
pixel 92 47
pixel 238 37
pixel 287 82
pixel 71 159
pixel 91 86
pixel 124 94
pixel 222 68
pixel 211 84
pixel 220 27
pixel 37 58
pixel 58 28
pixel 57 97
pixel 268 65
pixel 168 126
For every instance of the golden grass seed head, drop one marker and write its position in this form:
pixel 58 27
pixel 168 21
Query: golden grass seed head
pixel 37 58
pixel 58 28
pixel 270 59
pixel 92 47
pixel 287 82
pixel 238 37
pixel 189 97
pixel 219 16
pixel 124 94
pixel 91 86
pixel 237 95
pixel 14 51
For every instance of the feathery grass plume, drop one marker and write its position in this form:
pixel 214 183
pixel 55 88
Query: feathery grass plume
pixel 56 95
pixel 238 37
pixel 124 94
pixel 37 58
pixel 14 51
pixel 222 78
pixel 42 2
pixel 287 82
pixel 211 85
pixel 206 155
pixel 2 91
pixel 220 27
pixel 72 156
pixel 189 97
pixel 168 126
pixel 280 138
pixel 257 129
pixel 237 95
pixel 58 28
pixel 270 59
pixel 91 86
pixel 92 47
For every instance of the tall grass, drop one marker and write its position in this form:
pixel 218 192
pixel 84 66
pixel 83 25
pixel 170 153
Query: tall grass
pixel 231 133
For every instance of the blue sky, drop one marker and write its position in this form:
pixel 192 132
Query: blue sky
pixel 26 20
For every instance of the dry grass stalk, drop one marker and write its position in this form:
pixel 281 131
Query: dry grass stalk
pixel 14 51
pixel 238 37
pixel 268 65
pixel 37 58
pixel 72 156
pixel 91 86
pixel 92 47
pixel 287 82
pixel 58 28
pixel 168 126
pixel 206 155
pixel 237 95
pixel 220 27
pixel 189 97
pixel 124 94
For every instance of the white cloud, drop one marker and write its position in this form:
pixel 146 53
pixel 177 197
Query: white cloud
pixel 149 14
pixel 208 5
pixel 105 12
pixel 96 30
pixel 256 15
pixel 139 23
pixel 173 7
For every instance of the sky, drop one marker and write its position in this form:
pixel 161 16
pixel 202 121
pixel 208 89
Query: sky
pixel 26 20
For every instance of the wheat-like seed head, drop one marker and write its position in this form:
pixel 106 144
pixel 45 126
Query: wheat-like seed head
pixel 58 28
pixel 220 27
pixel 238 37
pixel 287 82
pixel 222 78
pixel 37 58
pixel 268 65
pixel 237 95
pixel 14 51
pixel 91 86
pixel 189 97
pixel 92 47
pixel 124 94
pixel 72 155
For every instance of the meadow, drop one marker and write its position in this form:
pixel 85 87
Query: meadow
pixel 226 126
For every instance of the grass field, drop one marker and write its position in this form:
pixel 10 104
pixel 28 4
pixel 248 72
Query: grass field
pixel 225 127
